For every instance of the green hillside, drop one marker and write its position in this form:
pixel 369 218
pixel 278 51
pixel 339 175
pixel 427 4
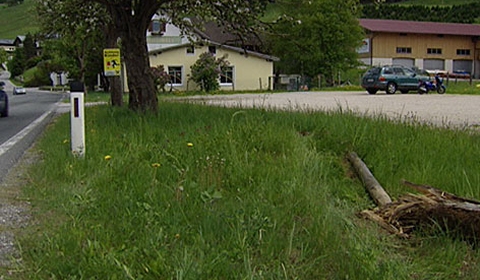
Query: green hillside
pixel 18 20
pixel 21 19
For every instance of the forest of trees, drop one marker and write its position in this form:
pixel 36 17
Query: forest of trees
pixel 466 13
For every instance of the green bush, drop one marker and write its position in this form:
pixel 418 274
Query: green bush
pixel 206 69
pixel 38 76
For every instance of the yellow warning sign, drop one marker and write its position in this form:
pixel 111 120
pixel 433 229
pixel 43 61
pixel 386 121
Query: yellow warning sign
pixel 111 62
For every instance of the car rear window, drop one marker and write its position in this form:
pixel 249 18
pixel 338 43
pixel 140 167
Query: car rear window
pixel 373 71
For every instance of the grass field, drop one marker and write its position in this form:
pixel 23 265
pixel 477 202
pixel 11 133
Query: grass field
pixel 200 192
pixel 197 192
pixel 18 20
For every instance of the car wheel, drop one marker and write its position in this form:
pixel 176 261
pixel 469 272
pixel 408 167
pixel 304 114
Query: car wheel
pixel 371 90
pixel 391 88
pixel 4 99
pixel 4 113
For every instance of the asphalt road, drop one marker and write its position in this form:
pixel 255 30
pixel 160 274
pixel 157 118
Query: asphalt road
pixel 28 115
pixel 446 110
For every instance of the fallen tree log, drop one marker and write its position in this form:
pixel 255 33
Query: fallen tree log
pixel 431 209
pixel 376 191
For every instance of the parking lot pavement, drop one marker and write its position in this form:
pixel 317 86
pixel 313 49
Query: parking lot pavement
pixel 445 110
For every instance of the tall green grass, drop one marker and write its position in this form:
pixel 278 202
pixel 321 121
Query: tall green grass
pixel 200 192
pixel 462 86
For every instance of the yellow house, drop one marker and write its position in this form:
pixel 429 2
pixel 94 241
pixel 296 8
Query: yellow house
pixel 435 46
pixel 247 70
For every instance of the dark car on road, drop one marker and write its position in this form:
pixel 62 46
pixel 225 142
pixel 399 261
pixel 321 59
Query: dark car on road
pixel 393 78
pixel 3 104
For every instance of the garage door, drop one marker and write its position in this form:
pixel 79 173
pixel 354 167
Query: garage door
pixel 462 66
pixel 434 64
pixel 408 62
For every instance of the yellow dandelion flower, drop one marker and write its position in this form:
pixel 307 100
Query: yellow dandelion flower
pixel 189 144
pixel 107 157
pixel 156 165
pixel 177 236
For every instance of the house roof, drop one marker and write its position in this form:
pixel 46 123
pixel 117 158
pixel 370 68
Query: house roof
pixel 7 42
pixel 214 32
pixel 211 34
pixel 164 48
pixel 420 27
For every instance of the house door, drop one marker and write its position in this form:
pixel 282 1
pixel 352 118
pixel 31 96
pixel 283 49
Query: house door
pixel 462 66
pixel 434 64
pixel 407 62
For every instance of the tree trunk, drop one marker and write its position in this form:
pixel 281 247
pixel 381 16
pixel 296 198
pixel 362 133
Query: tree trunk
pixel 116 92
pixel 131 26
pixel 433 209
pixel 142 94
pixel 373 187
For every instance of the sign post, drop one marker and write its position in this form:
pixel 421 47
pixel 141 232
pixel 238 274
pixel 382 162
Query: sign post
pixel 111 62
pixel 77 118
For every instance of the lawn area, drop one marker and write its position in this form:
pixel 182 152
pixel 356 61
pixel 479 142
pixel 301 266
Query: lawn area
pixel 199 192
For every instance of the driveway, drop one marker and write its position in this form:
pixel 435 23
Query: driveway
pixel 446 110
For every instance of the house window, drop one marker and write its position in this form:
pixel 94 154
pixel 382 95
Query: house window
pixel 226 77
pixel 157 27
pixel 404 50
pixel 434 51
pixel 190 50
pixel 463 52
pixel 175 73
pixel 212 50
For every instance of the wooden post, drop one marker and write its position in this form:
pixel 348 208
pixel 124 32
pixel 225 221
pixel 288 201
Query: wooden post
pixel 376 191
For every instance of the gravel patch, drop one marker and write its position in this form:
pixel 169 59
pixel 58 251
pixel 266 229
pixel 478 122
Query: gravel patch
pixel 14 209
pixel 444 110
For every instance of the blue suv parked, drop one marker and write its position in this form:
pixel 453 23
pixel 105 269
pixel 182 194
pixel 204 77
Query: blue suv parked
pixel 393 78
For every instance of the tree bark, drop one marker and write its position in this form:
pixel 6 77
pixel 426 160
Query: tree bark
pixel 142 94
pixel 376 191
pixel 432 209
pixel 116 92
pixel 131 23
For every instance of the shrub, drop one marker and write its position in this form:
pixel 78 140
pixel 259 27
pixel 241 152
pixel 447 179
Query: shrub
pixel 160 77
pixel 206 69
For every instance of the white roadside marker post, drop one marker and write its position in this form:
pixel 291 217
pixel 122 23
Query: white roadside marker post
pixel 77 119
